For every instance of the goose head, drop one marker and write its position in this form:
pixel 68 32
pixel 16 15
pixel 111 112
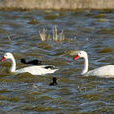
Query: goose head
pixel 7 56
pixel 80 54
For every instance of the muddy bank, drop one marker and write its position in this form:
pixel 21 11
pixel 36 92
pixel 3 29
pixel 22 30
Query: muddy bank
pixel 57 4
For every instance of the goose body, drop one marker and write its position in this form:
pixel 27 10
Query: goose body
pixel 104 71
pixel 34 70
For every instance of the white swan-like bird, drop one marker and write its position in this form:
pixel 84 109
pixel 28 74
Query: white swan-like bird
pixel 34 70
pixel 104 71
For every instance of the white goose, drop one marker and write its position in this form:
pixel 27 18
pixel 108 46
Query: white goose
pixel 104 71
pixel 34 70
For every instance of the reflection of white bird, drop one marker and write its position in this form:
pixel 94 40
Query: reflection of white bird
pixel 34 70
pixel 105 71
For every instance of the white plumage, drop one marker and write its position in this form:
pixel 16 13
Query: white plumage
pixel 104 71
pixel 34 70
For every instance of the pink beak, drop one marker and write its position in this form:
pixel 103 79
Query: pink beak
pixel 3 59
pixel 76 57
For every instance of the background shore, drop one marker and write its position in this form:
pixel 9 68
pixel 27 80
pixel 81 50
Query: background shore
pixel 57 4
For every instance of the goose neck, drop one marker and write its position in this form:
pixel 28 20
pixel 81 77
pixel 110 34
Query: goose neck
pixel 13 67
pixel 85 69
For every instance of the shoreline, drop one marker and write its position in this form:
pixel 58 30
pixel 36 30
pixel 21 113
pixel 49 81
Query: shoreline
pixel 57 4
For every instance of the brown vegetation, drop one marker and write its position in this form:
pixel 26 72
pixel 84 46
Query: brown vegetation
pixel 57 4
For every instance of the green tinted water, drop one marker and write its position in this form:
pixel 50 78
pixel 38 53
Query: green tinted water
pixel 91 31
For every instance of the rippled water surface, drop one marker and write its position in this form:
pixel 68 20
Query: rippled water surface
pixel 91 31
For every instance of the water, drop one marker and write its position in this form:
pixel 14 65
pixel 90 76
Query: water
pixel 91 31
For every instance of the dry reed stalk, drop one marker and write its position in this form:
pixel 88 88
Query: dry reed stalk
pixel 58 37
pixel 43 34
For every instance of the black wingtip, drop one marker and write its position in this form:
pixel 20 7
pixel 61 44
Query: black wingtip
pixel 49 67
pixel 54 83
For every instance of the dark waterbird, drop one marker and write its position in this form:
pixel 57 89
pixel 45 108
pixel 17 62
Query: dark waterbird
pixel 32 62
pixel 54 83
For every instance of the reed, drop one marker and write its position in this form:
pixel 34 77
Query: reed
pixel 55 36
pixel 43 34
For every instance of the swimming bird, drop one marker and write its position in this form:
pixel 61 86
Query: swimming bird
pixel 33 62
pixel 54 83
pixel 34 70
pixel 104 71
